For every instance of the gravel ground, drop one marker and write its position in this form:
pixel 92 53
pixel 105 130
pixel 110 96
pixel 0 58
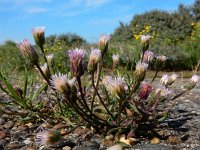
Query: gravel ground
pixel 182 129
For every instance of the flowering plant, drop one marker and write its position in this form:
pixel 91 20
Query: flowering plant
pixel 113 102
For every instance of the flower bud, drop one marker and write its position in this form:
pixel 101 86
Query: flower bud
pixel 95 57
pixel 141 69
pixel 45 70
pixel 28 51
pixel 50 58
pixel 160 61
pixel 145 40
pixel 38 34
pixel 76 57
pixel 168 80
pixel 144 91
pixel 103 43
pixel 148 56
pixel 193 81
pixel 115 59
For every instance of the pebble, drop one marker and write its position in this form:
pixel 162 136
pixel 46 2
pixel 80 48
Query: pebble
pixel 8 125
pixel 66 148
pixel 155 140
pixel 3 134
pixel 115 147
pixel 27 141
pixel 2 121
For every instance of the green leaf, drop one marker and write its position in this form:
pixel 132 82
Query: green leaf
pixel 25 84
pixel 13 93
pixel 43 87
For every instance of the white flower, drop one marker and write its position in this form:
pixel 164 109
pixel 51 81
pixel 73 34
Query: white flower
pixel 164 80
pixel 115 59
pixel 141 68
pixel 145 38
pixel 195 79
pixel 116 87
pixel 60 83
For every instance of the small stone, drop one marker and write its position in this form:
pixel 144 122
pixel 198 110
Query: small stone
pixel 129 141
pixel 29 124
pixel 109 137
pixel 115 147
pixel 8 125
pixel 155 140
pixel 2 121
pixel 27 141
pixel 5 116
pixel 66 148
pixel 173 140
pixel 3 135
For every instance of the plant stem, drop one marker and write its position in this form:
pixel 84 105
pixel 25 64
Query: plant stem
pixel 85 103
pixel 42 73
pixel 102 102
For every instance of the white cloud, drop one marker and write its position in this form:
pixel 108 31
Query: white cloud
pixel 36 10
pixel 96 3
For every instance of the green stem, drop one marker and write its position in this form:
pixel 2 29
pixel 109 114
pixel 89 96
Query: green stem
pixel 42 73
pixel 102 102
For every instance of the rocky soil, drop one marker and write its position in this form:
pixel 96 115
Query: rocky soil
pixel 182 129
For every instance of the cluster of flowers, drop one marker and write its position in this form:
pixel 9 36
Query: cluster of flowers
pixel 132 97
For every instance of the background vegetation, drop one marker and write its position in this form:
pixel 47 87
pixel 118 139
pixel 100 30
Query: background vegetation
pixel 174 34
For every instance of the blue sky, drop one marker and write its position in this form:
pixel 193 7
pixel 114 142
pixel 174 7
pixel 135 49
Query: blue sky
pixel 87 18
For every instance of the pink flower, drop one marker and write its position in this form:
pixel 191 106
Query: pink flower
pixel 148 56
pixel 28 51
pixel 144 91
pixel 76 57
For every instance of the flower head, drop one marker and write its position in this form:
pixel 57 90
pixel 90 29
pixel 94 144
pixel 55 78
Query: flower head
pixel 144 91
pixel 47 138
pixel 38 34
pixel 103 43
pixel 115 59
pixel 163 91
pixel 50 58
pixel 61 83
pixel 195 79
pixel 28 51
pixel 145 38
pixel 148 56
pixel 116 87
pixel 95 57
pixel 76 57
pixel 164 80
pixel 173 77
pixel 45 70
pixel 141 68
pixel 161 58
